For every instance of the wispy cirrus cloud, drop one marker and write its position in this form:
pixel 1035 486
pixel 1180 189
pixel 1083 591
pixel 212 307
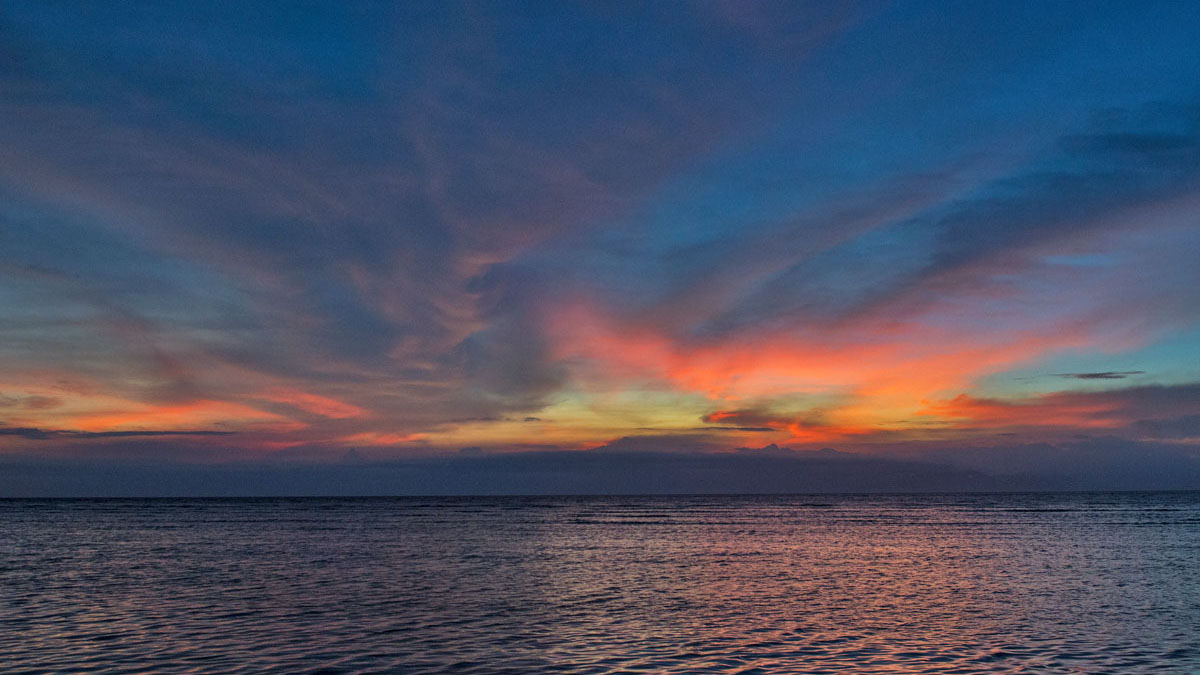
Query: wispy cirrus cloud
pixel 401 231
pixel 374 259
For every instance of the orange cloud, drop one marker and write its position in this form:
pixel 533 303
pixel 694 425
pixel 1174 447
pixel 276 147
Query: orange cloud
pixel 802 427
pixel 882 359
pixel 312 403
pixel 196 415
pixel 381 438
pixel 1051 410
pixel 863 378
pixel 744 418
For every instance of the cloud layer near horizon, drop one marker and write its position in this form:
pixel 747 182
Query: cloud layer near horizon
pixel 230 233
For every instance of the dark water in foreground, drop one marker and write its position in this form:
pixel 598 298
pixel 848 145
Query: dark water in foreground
pixel 1078 583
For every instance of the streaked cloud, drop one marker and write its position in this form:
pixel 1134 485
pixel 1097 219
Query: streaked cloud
pixel 403 231
pixel 59 434
pixel 1102 375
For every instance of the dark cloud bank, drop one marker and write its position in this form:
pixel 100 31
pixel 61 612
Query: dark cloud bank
pixel 1091 464
pixel 36 434
pixel 1104 375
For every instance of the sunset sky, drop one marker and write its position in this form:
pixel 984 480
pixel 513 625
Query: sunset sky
pixel 246 232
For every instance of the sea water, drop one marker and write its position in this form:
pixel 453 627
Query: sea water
pixel 995 583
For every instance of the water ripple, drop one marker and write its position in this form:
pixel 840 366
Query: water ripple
pixel 930 584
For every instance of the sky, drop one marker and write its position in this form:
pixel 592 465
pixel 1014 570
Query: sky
pixel 493 238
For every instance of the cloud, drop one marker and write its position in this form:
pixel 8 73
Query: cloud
pixel 833 382
pixel 416 232
pixel 924 301
pixel 1103 375
pixel 36 434
pixel 315 404
pixel 713 428
pixel 381 438
pixel 30 402
pixel 805 425
pixel 1159 411
pixel 382 258
pixel 746 416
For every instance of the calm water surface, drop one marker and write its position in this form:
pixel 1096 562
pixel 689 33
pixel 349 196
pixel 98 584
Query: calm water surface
pixel 1070 583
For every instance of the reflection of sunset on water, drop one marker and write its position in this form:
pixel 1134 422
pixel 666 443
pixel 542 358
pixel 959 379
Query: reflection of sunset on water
pixel 817 583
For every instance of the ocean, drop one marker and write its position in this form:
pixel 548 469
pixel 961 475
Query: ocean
pixel 945 583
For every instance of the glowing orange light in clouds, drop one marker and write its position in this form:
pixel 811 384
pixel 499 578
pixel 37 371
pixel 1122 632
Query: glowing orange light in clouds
pixel 195 415
pixel 1053 410
pixel 880 375
pixel 312 403
pixel 381 438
